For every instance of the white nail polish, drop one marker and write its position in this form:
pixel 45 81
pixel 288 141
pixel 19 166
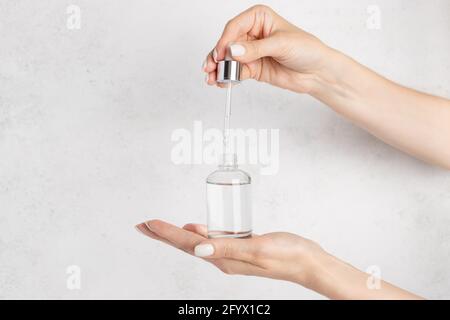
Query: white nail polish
pixel 207 78
pixel 204 250
pixel 215 55
pixel 237 50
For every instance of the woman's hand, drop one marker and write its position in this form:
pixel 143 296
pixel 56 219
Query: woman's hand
pixel 278 255
pixel 274 51
pixel 270 49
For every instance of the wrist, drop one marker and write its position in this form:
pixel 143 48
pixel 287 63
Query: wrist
pixel 324 278
pixel 320 265
pixel 330 76
pixel 315 264
pixel 325 274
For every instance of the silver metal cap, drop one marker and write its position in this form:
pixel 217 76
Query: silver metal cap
pixel 228 70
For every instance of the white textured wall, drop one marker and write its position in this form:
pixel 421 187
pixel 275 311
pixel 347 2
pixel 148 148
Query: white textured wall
pixel 85 123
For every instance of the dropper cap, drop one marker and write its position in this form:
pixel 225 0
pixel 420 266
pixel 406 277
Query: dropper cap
pixel 228 70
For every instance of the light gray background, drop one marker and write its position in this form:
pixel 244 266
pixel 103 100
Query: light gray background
pixel 85 123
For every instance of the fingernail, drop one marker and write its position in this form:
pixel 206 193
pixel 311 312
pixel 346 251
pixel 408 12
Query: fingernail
pixel 148 225
pixel 204 66
pixel 237 50
pixel 215 55
pixel 204 250
pixel 207 78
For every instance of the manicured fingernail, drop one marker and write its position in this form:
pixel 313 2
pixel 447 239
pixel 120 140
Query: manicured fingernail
pixel 237 50
pixel 207 78
pixel 148 224
pixel 215 55
pixel 205 63
pixel 204 250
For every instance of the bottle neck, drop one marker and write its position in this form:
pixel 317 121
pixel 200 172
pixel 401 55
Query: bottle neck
pixel 229 161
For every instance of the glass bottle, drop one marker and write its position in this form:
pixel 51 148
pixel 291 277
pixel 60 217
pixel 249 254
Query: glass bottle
pixel 228 191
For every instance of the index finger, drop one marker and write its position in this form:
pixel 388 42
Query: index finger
pixel 259 17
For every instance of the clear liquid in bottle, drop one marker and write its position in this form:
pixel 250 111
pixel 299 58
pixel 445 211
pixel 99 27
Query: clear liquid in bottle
pixel 228 192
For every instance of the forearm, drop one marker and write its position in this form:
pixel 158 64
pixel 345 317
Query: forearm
pixel 336 279
pixel 413 122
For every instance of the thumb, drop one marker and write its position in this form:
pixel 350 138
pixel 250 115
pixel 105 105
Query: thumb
pixel 237 249
pixel 249 51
